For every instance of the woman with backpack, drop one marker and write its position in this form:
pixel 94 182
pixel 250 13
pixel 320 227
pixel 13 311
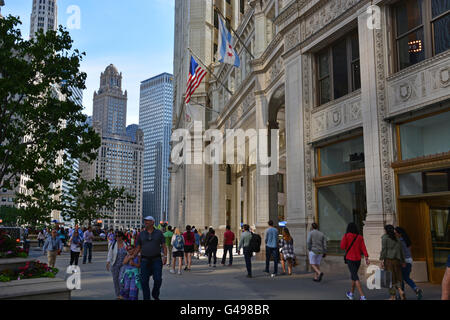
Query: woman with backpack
pixel 189 241
pixel 177 250
pixel 392 259
pixel 401 234
pixel 354 246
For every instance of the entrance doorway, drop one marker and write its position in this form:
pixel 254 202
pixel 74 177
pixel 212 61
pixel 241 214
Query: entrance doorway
pixel 427 223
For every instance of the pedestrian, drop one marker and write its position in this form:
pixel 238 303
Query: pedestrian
pixel 245 244
pixel 150 243
pixel 203 238
pixel 271 240
pixel 354 246
pixel 40 239
pixel 87 246
pixel 131 280
pixel 110 237
pixel 189 240
pixel 116 254
pixel 212 244
pixel 228 238
pixel 197 243
pixel 168 237
pixel 75 244
pixel 317 248
pixel 446 282
pixel 287 251
pixel 392 259
pixel 62 236
pixel 52 247
pixel 177 243
pixel 401 234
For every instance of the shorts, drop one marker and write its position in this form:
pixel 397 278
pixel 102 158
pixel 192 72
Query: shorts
pixel 315 259
pixel 189 249
pixel 353 266
pixel 177 254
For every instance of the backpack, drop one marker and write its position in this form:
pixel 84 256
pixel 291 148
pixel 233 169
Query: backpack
pixel 255 243
pixel 178 244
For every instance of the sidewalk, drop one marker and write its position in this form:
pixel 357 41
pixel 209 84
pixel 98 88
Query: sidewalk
pixel 229 283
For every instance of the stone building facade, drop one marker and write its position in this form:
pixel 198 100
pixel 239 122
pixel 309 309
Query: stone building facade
pixel 359 92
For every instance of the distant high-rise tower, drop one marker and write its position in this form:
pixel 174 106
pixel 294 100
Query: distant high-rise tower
pixel 155 119
pixel 2 3
pixel 120 156
pixel 44 16
pixel 110 103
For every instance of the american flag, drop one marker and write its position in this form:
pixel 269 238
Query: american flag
pixel 196 75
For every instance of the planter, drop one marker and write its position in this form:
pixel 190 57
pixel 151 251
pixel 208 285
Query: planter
pixel 14 263
pixel 35 289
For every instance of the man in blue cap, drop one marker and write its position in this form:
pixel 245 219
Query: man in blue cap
pixel 150 243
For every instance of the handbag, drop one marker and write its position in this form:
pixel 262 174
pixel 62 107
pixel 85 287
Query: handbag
pixel 345 256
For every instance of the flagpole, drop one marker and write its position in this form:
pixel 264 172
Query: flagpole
pixel 237 36
pixel 209 70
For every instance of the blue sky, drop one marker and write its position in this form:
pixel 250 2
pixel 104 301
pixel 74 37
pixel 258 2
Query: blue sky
pixel 135 35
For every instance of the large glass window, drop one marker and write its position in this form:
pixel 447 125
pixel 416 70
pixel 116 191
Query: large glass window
pixel 339 205
pixel 417 183
pixel 339 69
pixel 425 137
pixel 422 30
pixel 342 157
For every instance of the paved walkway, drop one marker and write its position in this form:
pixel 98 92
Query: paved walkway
pixel 227 283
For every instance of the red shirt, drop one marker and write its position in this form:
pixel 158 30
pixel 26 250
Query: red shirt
pixel 228 238
pixel 357 248
pixel 190 241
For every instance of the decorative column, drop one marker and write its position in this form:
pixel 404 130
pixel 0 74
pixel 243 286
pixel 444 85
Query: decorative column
pixel 218 195
pixel 376 140
pixel 295 153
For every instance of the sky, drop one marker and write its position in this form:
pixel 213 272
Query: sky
pixel 137 36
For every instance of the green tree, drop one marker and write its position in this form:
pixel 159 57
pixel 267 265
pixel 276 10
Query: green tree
pixel 38 115
pixel 86 199
pixel 9 215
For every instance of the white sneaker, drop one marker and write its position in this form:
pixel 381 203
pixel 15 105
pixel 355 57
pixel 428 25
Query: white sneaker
pixel 172 271
pixel 179 272
pixel 273 275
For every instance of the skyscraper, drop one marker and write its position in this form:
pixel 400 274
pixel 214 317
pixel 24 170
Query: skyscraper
pixel 2 3
pixel 119 157
pixel 155 119
pixel 44 16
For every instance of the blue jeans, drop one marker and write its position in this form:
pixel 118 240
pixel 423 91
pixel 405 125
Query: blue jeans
pixel 248 260
pixel 151 267
pixel 274 253
pixel 406 271
pixel 227 248
pixel 87 246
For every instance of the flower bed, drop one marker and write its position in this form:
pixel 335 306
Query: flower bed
pixel 10 249
pixel 29 271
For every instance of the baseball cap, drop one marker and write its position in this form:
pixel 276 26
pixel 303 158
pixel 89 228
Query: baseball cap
pixel 149 218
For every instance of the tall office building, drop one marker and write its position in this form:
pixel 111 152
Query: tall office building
pixel 2 3
pixel 44 16
pixel 155 119
pixel 119 157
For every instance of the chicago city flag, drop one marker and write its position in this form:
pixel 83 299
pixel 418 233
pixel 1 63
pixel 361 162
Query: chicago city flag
pixel 227 54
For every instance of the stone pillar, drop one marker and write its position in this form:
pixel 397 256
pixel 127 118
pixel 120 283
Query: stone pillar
pixel 262 181
pixel 260 33
pixel 295 154
pixel 173 196
pixel 373 229
pixel 218 194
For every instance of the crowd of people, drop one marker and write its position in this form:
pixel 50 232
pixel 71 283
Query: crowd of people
pixel 136 255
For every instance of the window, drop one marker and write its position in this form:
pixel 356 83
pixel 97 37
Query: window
pixel 341 157
pixel 422 30
pixel 339 69
pixel 417 183
pixel 242 6
pixel 338 205
pixel 425 137
pixel 229 174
